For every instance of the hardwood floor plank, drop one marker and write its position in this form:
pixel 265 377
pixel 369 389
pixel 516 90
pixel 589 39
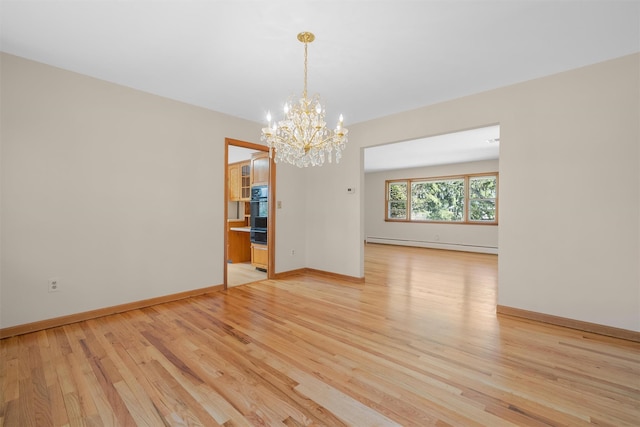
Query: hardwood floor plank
pixel 130 393
pixel 247 377
pixel 11 413
pixel 9 378
pixel 350 410
pixel 417 343
pixel 59 416
pixel 41 400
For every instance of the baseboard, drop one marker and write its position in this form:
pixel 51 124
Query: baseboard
pixel 290 273
pixel 311 271
pixel 434 245
pixel 343 277
pixel 88 315
pixel 595 328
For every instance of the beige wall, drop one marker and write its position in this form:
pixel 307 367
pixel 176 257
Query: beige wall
pixel 569 190
pixel 119 194
pixel 115 192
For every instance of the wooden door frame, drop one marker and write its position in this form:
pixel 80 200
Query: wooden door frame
pixel 271 221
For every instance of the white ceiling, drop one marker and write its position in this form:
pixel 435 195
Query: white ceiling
pixel 239 154
pixel 370 58
pixel 466 146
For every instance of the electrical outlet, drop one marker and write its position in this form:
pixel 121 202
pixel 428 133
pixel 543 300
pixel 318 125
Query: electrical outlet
pixel 293 252
pixel 54 285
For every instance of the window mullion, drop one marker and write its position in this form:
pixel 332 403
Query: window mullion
pixel 467 199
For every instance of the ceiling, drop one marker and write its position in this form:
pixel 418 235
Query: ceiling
pixel 466 146
pixel 370 58
pixel 239 154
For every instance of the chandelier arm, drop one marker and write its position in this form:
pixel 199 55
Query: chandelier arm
pixel 280 141
pixel 295 141
pixel 319 143
pixel 327 141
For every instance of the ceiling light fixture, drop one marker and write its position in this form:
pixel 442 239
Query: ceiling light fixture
pixel 302 137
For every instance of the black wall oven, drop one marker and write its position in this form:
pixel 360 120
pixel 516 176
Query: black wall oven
pixel 259 211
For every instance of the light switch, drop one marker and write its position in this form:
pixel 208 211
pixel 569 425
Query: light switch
pixel 279 204
pixel 351 190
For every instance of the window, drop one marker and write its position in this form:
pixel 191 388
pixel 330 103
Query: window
pixel 467 199
pixel 397 200
pixel 482 198
pixel 437 200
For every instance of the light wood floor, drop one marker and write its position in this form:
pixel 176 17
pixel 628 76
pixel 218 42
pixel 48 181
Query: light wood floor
pixel 242 273
pixel 418 343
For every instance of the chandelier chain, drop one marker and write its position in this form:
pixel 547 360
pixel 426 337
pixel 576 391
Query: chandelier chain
pixel 304 94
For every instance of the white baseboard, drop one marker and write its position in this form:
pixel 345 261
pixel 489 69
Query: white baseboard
pixel 434 245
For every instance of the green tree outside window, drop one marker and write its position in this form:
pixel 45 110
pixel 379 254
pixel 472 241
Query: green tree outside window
pixel 482 198
pixel 464 199
pixel 437 200
pixel 397 201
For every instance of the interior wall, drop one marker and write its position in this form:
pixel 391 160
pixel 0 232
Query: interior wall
pixel 291 217
pixel 119 194
pixel 334 228
pixel 116 193
pixel 569 190
pixel 464 237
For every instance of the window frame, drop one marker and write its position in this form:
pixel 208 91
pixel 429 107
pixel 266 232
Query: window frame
pixel 448 179
pixel 388 200
pixel 466 178
pixel 468 199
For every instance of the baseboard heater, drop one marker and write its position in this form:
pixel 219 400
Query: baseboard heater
pixel 434 245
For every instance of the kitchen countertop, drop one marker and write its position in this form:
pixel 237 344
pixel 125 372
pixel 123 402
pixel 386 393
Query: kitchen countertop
pixel 244 229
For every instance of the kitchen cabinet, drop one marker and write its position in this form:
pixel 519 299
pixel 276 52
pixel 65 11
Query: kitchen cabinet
pixel 245 181
pixel 238 244
pixel 259 256
pixel 234 182
pixel 260 169
pixel 240 181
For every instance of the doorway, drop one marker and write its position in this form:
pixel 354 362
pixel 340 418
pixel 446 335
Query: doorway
pixel 438 158
pixel 245 167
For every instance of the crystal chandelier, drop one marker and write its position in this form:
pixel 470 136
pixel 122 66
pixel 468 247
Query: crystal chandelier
pixel 302 137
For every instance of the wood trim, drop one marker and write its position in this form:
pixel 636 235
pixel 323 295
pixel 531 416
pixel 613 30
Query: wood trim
pixel 322 273
pixel 245 144
pixel 465 177
pixel 92 314
pixel 417 221
pixel 595 328
pixel 225 198
pixel 285 274
pixel 271 228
